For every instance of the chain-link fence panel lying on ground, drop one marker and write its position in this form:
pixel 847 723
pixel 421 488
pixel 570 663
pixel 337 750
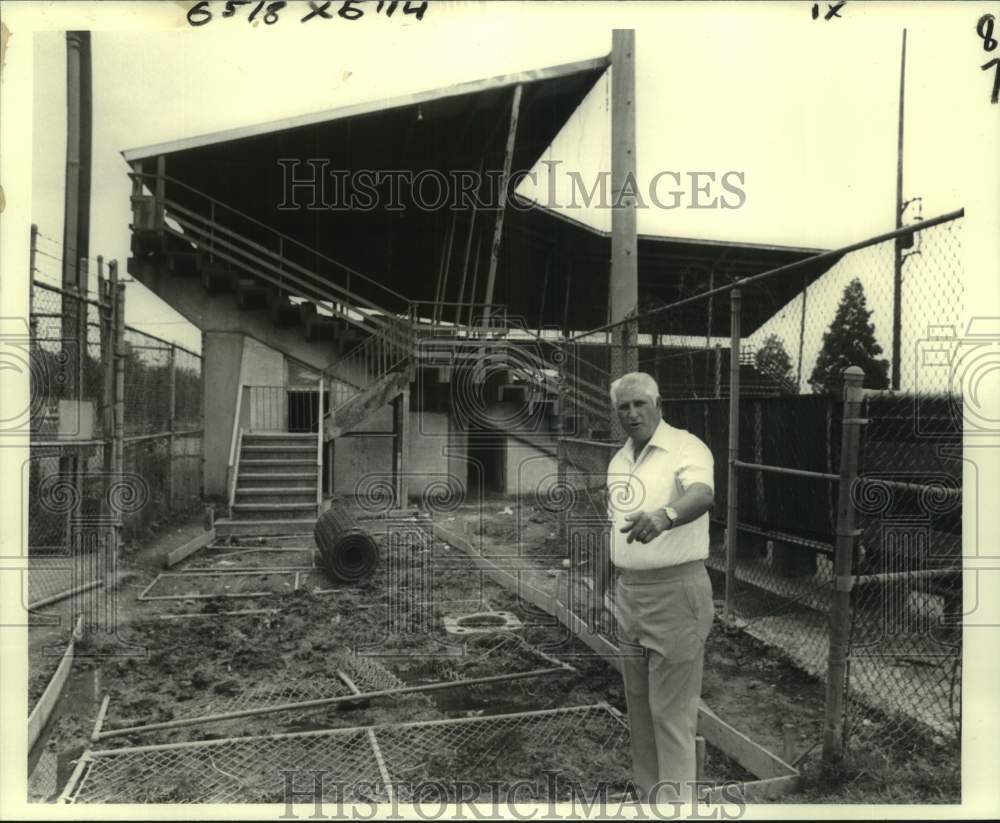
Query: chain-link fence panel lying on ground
pixel 365 763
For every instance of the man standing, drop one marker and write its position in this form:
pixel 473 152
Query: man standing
pixel 660 487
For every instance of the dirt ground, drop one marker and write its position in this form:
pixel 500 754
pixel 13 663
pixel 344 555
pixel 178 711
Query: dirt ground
pixel 187 667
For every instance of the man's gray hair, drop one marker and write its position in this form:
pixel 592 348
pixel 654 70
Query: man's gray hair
pixel 638 380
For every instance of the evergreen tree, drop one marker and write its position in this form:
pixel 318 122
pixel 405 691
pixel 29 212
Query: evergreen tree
pixel 773 361
pixel 850 341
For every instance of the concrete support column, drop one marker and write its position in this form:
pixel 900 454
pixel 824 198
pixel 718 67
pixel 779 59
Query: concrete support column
pixel 222 354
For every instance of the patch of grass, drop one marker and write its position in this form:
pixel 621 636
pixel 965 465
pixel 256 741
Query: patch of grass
pixel 900 767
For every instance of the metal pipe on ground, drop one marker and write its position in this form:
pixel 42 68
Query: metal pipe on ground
pixel 563 668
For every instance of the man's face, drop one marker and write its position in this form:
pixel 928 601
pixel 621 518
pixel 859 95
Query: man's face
pixel 638 413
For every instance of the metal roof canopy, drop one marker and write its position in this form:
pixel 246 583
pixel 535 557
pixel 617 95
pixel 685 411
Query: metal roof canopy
pixel 457 128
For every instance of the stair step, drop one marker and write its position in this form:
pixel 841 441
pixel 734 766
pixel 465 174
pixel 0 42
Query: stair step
pixel 277 447
pixel 278 436
pixel 282 464
pixel 273 506
pixel 245 482
pixel 278 499
pixel 276 490
pixel 277 475
pixel 226 527
pixel 283 511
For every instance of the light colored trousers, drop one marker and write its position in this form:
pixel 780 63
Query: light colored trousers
pixel 664 616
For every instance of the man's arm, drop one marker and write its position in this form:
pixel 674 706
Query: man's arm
pixel 692 504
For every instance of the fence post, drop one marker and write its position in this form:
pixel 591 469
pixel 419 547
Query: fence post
pixel 319 447
pixel 735 302
pixel 172 363
pixel 840 607
pixel 118 332
pixel 105 299
pixel 718 371
pixel 33 251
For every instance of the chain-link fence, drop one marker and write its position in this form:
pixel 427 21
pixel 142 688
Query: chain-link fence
pixel 892 306
pixel 103 443
pixel 905 663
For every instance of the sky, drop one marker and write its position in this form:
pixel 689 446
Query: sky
pixel 805 110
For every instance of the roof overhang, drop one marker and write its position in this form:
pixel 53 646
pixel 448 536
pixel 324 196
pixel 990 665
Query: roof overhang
pixel 552 269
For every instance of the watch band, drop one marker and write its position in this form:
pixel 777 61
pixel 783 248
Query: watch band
pixel 671 514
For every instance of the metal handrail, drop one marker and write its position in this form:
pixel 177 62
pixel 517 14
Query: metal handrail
pixel 143 176
pixel 235 472
pixel 319 451
pixel 235 434
pixel 273 274
pixel 380 352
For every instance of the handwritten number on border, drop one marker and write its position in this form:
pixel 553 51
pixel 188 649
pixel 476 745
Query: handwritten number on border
pixel 985 28
pixel 201 13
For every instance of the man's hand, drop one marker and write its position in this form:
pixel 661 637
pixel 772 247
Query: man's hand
pixel 645 526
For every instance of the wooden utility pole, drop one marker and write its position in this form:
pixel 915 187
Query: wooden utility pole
pixel 897 280
pixel 76 220
pixel 515 109
pixel 623 286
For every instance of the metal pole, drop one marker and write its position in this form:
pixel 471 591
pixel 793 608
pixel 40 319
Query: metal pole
pixel 840 607
pixel 105 298
pixel 732 514
pixel 465 262
pixel 161 192
pixel 897 280
pixel 475 279
pixel 718 371
pixel 32 251
pixel 400 463
pixel 118 326
pixel 802 333
pixel 515 108
pixel 319 446
pixel 172 364
pixel 342 698
pixel 443 266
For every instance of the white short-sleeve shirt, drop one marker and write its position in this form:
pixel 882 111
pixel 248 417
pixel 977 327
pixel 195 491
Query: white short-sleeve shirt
pixel 671 461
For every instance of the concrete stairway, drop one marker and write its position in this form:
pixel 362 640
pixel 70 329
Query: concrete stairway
pixel 275 486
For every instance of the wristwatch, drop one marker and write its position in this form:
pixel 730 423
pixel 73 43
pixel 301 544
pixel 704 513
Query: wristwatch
pixel 672 516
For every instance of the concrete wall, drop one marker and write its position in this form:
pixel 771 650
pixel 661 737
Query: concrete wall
pixel 223 356
pixel 264 368
pixel 231 360
pixel 219 313
pixel 531 469
pixel 362 462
